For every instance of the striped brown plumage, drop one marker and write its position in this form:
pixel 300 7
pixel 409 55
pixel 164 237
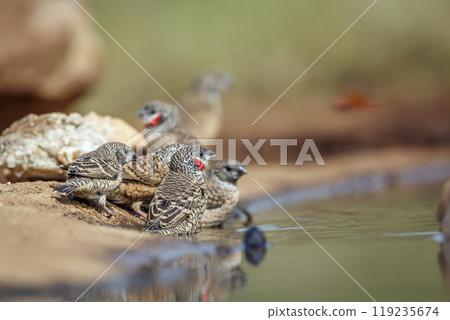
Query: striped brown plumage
pixel 142 177
pixel 223 192
pixel 97 173
pixel 181 198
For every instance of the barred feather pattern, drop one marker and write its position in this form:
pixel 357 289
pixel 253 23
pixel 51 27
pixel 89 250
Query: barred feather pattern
pixel 129 193
pixel 178 213
pixel 98 172
pixel 151 169
pixel 181 198
pixel 142 177
pixel 222 199
pixel 223 192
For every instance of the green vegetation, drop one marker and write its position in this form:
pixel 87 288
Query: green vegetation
pixel 267 45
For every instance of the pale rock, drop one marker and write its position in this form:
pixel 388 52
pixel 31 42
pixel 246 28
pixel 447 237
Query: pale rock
pixel 35 146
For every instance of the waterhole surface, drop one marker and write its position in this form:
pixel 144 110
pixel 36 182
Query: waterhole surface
pixel 388 242
pixel 383 245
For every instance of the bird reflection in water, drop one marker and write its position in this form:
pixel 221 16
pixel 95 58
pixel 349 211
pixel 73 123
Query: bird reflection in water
pixel 255 245
pixel 206 276
pixel 197 275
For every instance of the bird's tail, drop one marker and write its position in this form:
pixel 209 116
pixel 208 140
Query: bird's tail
pixel 64 167
pixel 65 189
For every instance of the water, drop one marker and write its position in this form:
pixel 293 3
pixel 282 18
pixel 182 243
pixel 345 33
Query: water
pixel 386 242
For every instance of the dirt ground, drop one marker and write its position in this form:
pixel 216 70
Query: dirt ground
pixel 46 239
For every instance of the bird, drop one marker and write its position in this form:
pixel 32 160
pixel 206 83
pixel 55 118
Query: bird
pixel 142 177
pixel 443 212
pixel 97 173
pixel 139 187
pixel 181 198
pixel 164 125
pixel 356 99
pixel 203 102
pixel 223 193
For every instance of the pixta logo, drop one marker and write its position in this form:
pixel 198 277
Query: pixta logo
pixel 145 143
pixel 308 152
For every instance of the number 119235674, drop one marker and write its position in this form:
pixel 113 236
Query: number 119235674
pixel 405 311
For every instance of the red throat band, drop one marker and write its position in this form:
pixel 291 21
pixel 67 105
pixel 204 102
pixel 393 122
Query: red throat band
pixel 155 121
pixel 199 163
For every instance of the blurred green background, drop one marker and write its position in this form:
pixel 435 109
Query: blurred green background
pixel 399 46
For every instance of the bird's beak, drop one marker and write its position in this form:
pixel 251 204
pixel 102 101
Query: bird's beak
pixel 241 170
pixel 153 121
pixel 135 157
pixel 210 154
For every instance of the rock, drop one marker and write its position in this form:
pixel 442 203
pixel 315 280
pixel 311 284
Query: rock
pixel 49 55
pixel 34 146
pixel 113 129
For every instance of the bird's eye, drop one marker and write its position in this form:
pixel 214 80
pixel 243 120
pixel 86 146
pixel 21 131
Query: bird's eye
pixel 201 154
pixel 228 168
pixel 152 111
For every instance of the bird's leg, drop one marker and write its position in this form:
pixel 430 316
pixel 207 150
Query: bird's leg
pixel 136 206
pixel 247 214
pixel 107 212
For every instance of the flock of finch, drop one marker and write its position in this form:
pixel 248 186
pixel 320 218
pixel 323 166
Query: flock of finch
pixel 172 188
